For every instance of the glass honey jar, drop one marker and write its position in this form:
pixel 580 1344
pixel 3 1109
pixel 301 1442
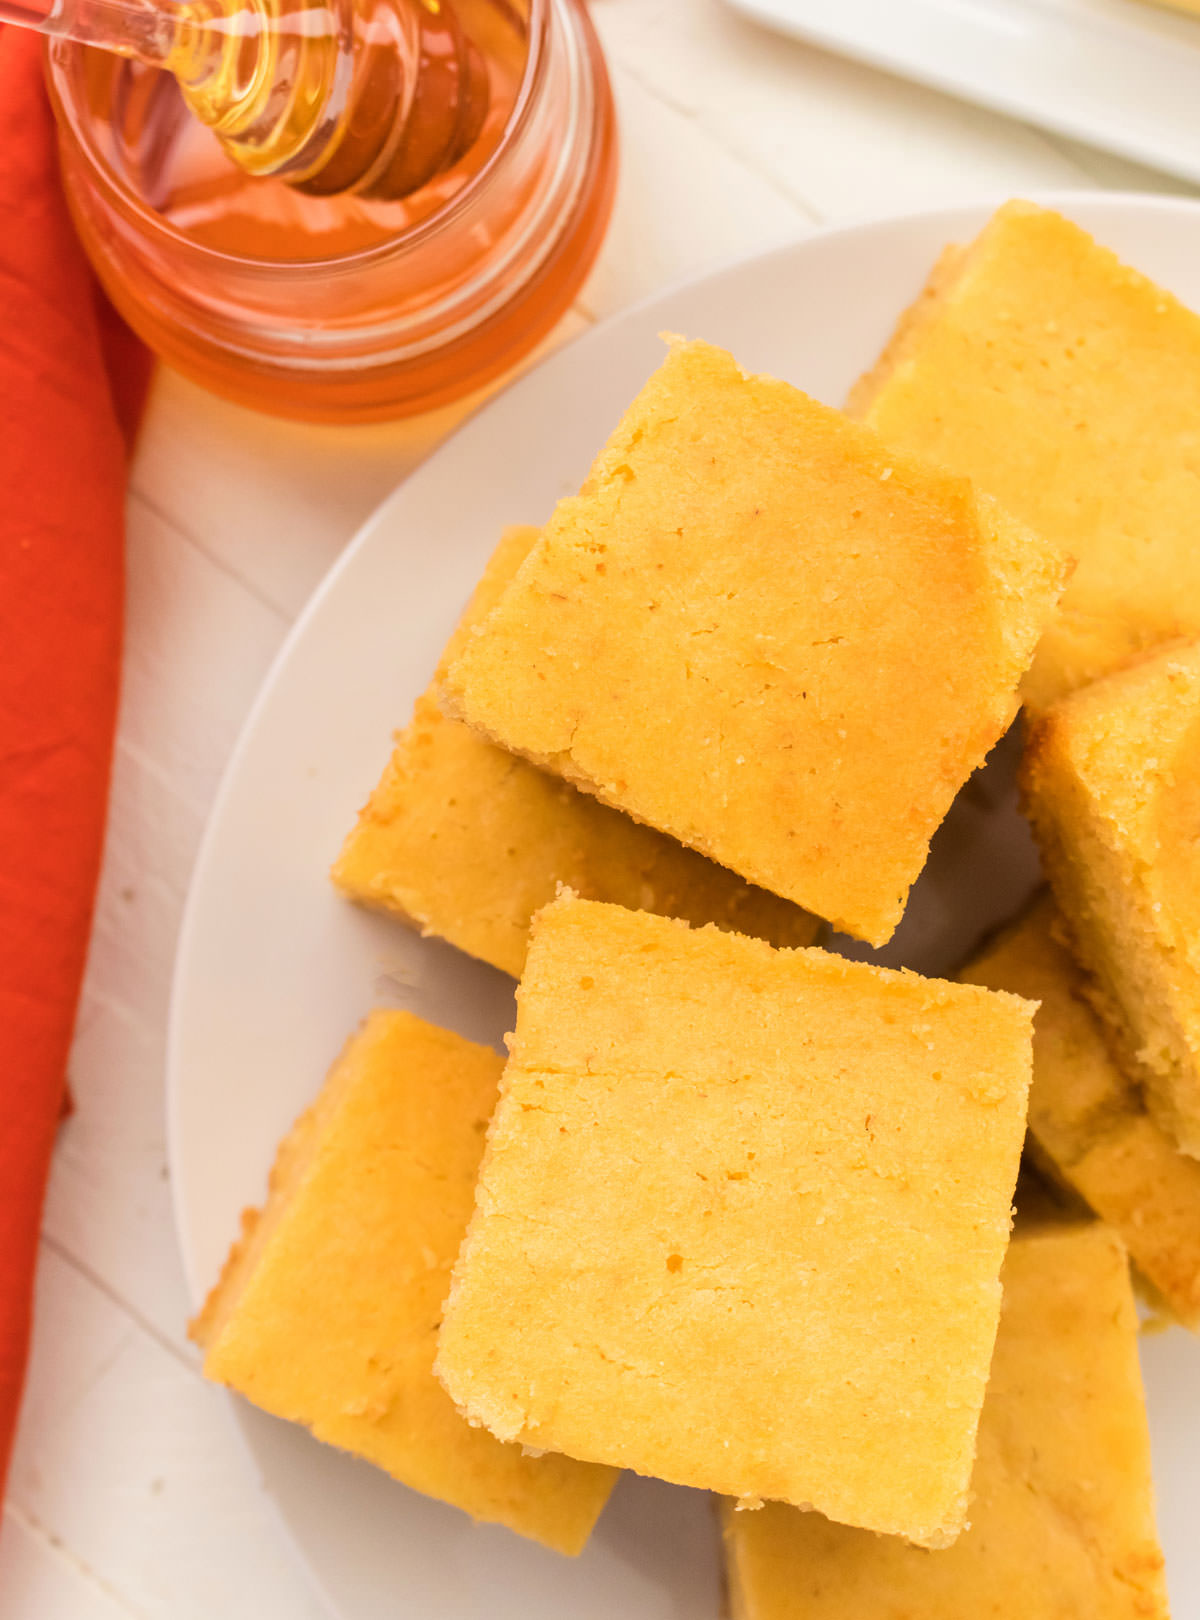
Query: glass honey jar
pixel 347 307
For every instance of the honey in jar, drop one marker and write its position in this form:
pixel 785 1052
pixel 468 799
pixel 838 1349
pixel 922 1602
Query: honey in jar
pixel 342 214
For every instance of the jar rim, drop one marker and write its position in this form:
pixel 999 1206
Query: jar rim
pixel 126 198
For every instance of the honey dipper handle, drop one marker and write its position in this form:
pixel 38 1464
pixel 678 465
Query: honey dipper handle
pixel 128 27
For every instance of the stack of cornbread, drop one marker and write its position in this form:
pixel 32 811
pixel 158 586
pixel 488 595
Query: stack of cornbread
pixel 736 1212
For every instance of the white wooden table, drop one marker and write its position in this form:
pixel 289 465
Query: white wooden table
pixel 130 1493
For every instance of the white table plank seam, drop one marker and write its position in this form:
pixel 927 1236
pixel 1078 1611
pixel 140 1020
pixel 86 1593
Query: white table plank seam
pixel 59 1551
pixel 126 1458
pixel 187 1359
pixel 188 537
pixel 93 996
pixel 807 210
pixel 159 772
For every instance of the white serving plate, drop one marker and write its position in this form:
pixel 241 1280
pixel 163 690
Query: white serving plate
pixel 1121 74
pixel 274 970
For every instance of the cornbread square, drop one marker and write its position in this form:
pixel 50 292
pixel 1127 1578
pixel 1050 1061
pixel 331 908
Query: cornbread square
pixel 1087 1120
pixel 467 841
pixel 1062 1521
pixel 761 631
pixel 1068 386
pixel 328 1306
pixel 1111 780
pixel 741 1218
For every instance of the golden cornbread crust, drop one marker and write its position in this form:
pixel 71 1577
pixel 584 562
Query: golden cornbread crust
pixel 1088 1119
pixel 467 841
pixel 1062 1517
pixel 765 633
pixel 327 1309
pixel 1066 385
pixel 1111 781
pixel 741 1218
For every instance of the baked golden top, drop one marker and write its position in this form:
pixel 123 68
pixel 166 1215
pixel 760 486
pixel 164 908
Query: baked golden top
pixel 1068 386
pixel 328 1307
pixel 1088 1118
pixel 1112 784
pixel 741 1218
pixel 1062 1521
pixel 468 841
pixel 761 631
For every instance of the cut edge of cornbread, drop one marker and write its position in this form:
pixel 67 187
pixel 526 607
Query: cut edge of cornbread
pixel 1089 1132
pixel 1087 878
pixel 1114 925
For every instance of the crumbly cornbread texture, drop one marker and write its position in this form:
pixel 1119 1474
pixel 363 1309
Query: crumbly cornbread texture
pixel 1111 779
pixel 328 1307
pixel 741 1218
pixel 1062 1520
pixel 1087 1121
pixel 468 841
pixel 1068 386
pixel 761 631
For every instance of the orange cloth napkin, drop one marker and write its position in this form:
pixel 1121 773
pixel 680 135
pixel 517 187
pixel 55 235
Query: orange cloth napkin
pixel 71 384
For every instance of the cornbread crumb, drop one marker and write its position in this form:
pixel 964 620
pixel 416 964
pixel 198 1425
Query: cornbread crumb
pixel 741 1218
pixel 328 1306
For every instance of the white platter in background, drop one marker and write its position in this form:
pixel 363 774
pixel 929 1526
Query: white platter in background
pixel 1121 74
pixel 274 971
